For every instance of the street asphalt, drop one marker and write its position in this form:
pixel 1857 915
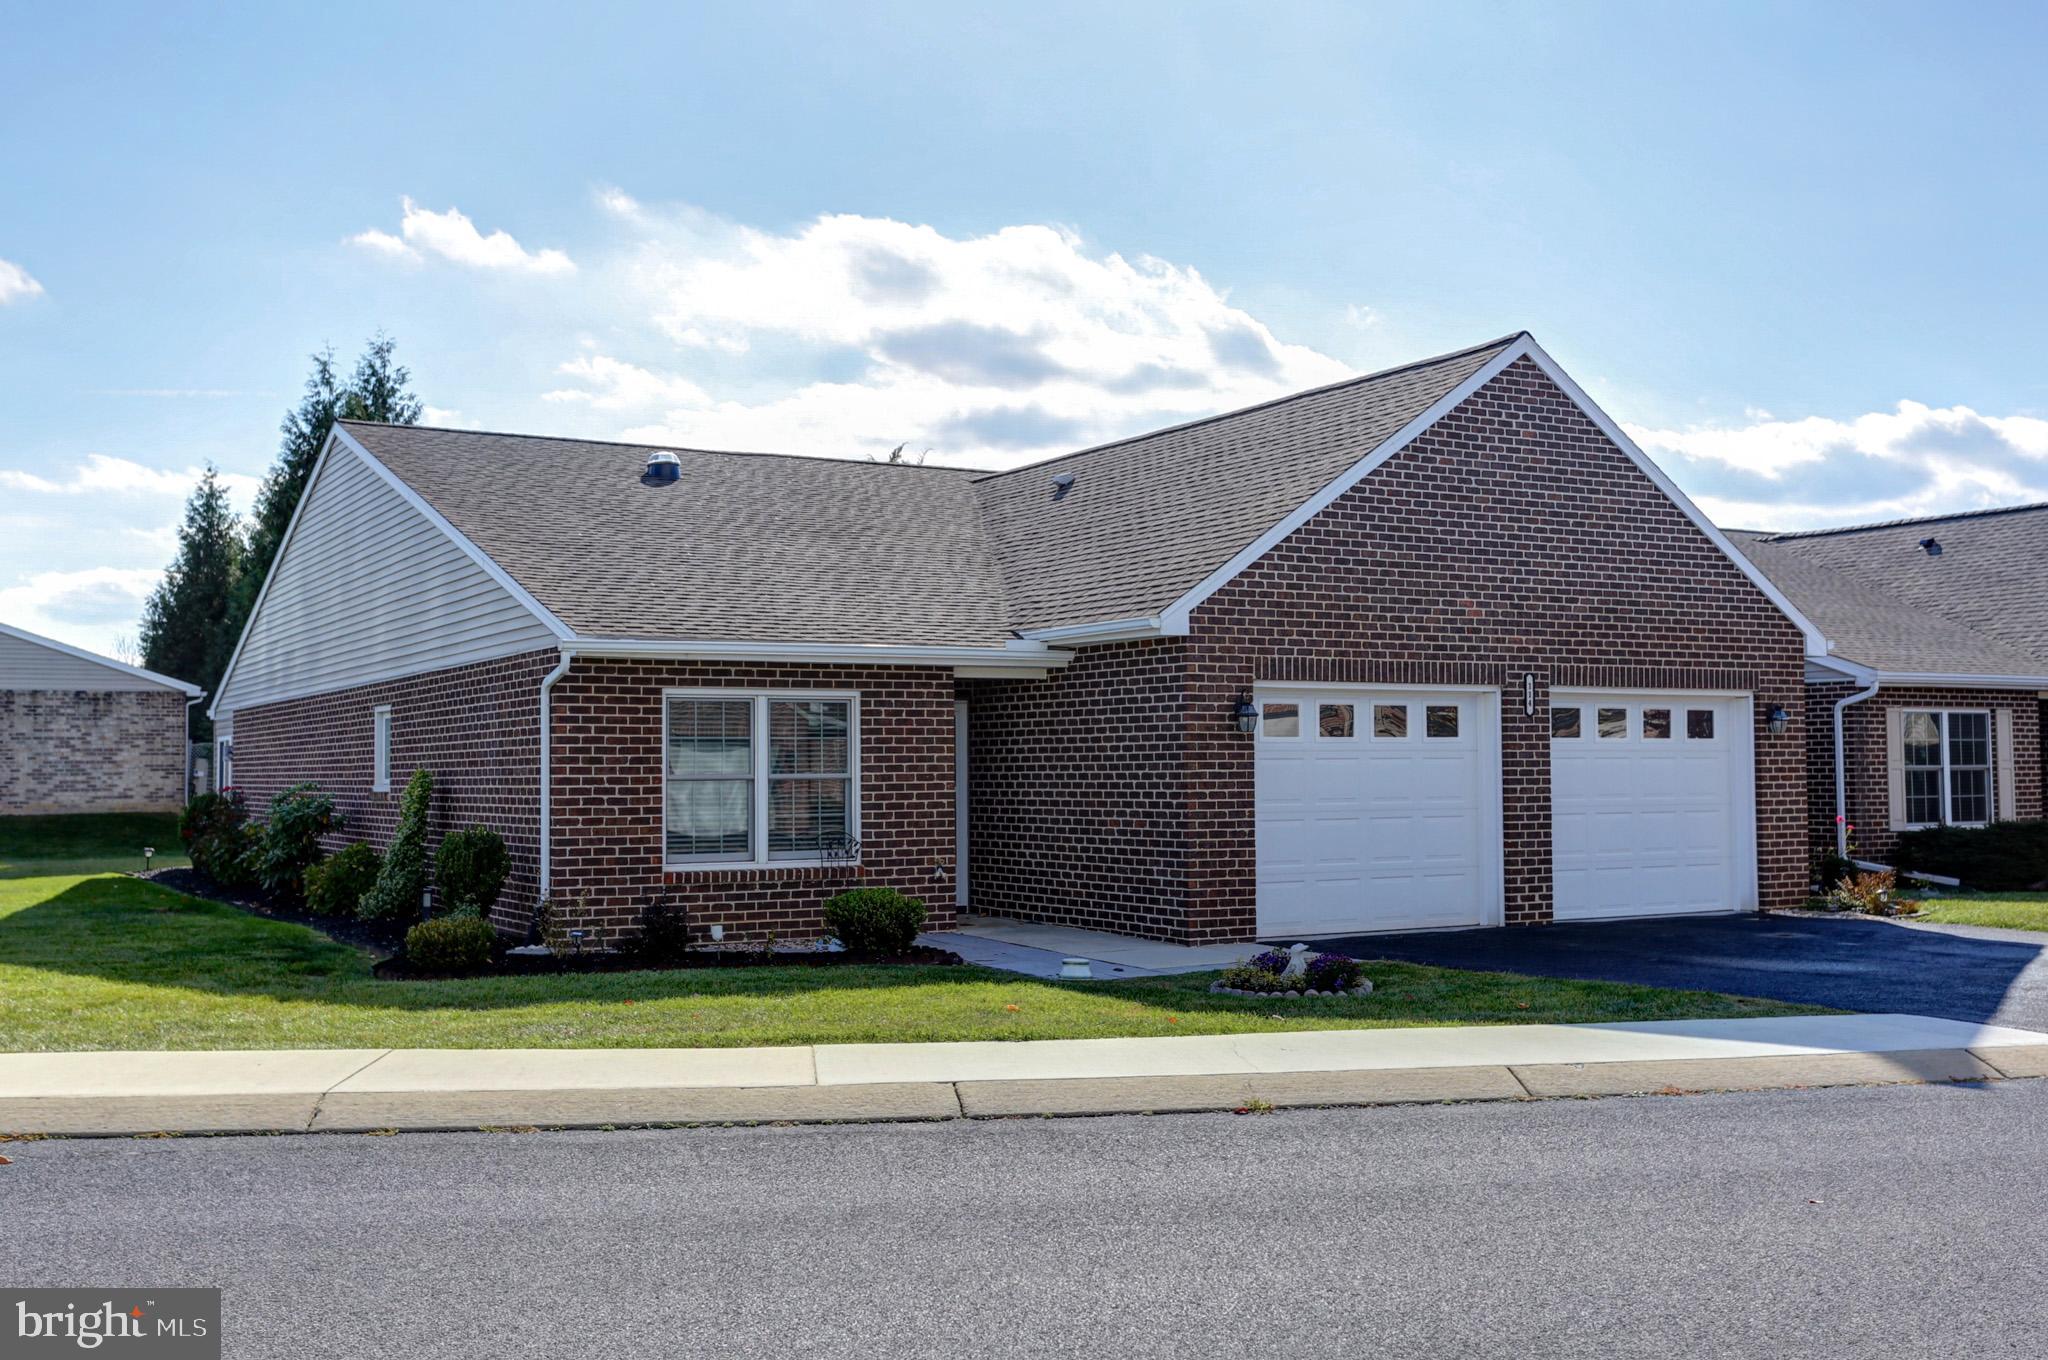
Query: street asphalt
pixel 1858 964
pixel 1884 1222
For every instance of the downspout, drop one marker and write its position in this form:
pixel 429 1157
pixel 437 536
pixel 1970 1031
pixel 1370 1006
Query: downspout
pixel 547 695
pixel 195 699
pixel 1841 784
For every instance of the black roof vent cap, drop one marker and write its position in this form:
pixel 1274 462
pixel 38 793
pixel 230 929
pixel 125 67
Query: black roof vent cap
pixel 1932 546
pixel 1062 483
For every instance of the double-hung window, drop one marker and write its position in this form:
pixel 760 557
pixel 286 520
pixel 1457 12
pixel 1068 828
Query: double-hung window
pixel 1947 760
pixel 760 778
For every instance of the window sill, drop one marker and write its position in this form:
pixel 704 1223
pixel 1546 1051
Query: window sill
pixel 749 866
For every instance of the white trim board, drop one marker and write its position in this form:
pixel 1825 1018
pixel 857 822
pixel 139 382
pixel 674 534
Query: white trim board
pixel 1174 620
pixel 80 654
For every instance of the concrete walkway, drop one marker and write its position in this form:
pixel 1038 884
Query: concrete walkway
pixel 343 1090
pixel 1037 949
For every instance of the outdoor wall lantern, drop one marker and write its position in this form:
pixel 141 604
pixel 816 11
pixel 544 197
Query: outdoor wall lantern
pixel 1779 719
pixel 1247 715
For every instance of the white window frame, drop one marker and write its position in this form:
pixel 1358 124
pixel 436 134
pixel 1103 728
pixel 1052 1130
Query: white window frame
pixel 380 749
pixel 1990 766
pixel 761 777
pixel 223 764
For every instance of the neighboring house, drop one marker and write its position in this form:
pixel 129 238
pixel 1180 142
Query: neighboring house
pixel 86 733
pixel 1937 674
pixel 1437 646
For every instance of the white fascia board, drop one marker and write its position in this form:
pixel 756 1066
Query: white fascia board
pixel 1107 630
pixel 455 536
pixel 1840 668
pixel 1817 644
pixel 37 639
pixel 1174 619
pixel 1012 658
pixel 1931 678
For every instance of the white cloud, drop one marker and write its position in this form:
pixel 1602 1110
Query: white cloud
pixel 618 202
pixel 452 236
pixel 445 418
pixel 864 332
pixel 16 283
pixel 103 475
pixel 1913 460
pixel 86 608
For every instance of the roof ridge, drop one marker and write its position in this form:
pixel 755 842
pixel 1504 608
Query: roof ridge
pixel 1499 342
pixel 666 448
pixel 1779 536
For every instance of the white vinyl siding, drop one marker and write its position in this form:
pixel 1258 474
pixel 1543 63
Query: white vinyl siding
pixel 26 665
pixel 367 588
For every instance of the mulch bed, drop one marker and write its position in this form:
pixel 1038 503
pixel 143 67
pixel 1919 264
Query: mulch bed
pixel 384 942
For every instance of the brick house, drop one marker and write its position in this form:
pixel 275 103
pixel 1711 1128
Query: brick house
pixel 86 733
pixel 1437 646
pixel 1935 687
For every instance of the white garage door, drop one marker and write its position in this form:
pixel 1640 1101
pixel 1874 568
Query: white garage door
pixel 1377 810
pixel 1651 804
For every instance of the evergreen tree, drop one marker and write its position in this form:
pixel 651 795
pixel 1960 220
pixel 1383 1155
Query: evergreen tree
pixel 376 391
pixel 188 624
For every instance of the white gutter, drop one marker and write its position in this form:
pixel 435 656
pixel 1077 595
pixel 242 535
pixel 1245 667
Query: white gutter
pixel 1841 782
pixel 1107 630
pixel 547 697
pixel 1023 656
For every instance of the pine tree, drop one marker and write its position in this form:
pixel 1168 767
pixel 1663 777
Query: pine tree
pixel 188 624
pixel 377 391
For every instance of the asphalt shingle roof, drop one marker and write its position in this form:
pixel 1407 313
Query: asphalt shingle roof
pixel 768 547
pixel 1980 608
pixel 744 548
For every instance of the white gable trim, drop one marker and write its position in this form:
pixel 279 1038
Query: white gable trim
pixel 79 653
pixel 1174 620
pixel 339 439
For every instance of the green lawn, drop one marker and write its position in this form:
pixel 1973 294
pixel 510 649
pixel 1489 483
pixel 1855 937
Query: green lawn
pixel 109 962
pixel 110 842
pixel 2013 911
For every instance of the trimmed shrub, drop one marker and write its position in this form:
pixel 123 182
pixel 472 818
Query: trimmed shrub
pixel 299 817
pixel 336 884
pixel 1830 869
pixel 451 944
pixel 875 920
pixel 664 936
pixel 2002 857
pixel 469 872
pixel 1249 977
pixel 396 894
pixel 217 835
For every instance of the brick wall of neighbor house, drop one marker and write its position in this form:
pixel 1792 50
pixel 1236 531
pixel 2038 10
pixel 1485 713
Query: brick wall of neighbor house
pixel 608 861
pixel 475 728
pixel 1866 772
pixel 1076 814
pixel 67 751
pixel 1512 538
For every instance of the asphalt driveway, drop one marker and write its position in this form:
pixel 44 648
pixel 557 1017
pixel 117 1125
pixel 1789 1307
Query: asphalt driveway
pixel 1958 972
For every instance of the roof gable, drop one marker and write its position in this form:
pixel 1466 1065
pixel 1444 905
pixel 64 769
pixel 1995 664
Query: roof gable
pixel 32 661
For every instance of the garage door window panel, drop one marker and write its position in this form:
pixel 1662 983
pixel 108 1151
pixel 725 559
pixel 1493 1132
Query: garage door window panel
pixel 1613 723
pixel 1390 721
pixel 1334 721
pixel 1441 720
pixel 1699 724
pixel 1282 720
pixel 1657 724
pixel 1564 723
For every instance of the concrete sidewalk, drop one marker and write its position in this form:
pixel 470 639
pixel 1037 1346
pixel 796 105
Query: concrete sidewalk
pixel 344 1090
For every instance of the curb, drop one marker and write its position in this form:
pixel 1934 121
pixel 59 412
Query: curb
pixel 449 1111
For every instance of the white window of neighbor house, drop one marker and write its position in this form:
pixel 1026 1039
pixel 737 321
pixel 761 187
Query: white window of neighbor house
pixel 1947 761
pixel 759 778
pixel 380 761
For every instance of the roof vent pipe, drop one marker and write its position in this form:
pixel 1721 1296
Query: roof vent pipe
pixel 1062 483
pixel 1932 546
pixel 663 468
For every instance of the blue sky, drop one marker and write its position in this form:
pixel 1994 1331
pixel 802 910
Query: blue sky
pixel 1798 256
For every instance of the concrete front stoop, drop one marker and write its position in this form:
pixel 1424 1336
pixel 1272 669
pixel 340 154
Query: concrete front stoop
pixel 372 1090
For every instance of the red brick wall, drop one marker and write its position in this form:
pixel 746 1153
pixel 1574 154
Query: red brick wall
pixel 64 751
pixel 1866 773
pixel 607 815
pixel 1512 538
pixel 1077 814
pixel 473 727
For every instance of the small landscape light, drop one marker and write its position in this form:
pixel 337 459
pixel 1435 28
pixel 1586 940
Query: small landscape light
pixel 1247 715
pixel 1779 719
pixel 148 854
pixel 1076 968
